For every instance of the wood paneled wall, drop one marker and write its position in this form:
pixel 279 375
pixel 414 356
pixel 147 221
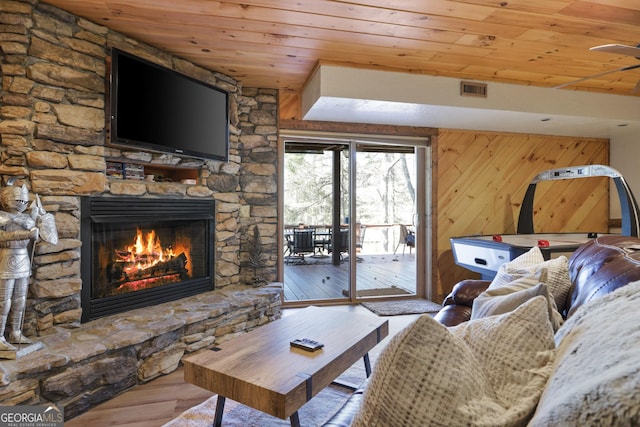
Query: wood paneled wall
pixel 481 179
pixel 289 107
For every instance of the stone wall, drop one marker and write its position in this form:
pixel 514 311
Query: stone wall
pixel 53 138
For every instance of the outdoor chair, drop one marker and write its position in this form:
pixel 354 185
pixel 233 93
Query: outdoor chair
pixel 300 243
pixel 321 241
pixel 341 244
pixel 406 238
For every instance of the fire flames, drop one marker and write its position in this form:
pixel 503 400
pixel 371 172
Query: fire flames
pixel 146 263
pixel 146 251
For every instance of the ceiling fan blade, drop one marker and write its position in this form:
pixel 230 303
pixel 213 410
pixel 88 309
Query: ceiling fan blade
pixel 618 49
pixel 594 76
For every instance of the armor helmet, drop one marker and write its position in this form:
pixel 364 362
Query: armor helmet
pixel 14 199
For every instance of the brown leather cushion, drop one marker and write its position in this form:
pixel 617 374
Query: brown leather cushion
pixel 452 315
pixel 602 266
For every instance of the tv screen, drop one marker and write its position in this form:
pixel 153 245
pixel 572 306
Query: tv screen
pixel 158 109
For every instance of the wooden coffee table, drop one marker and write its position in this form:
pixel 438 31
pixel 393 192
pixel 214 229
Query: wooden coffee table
pixel 261 370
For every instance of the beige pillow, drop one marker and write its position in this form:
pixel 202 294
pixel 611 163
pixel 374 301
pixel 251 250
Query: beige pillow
pixel 508 297
pixel 596 376
pixel 532 257
pixel 558 279
pixel 489 372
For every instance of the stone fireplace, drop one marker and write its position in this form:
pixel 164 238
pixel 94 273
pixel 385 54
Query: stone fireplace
pixel 53 138
pixel 141 252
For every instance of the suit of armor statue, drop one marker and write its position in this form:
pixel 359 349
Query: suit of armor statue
pixel 17 230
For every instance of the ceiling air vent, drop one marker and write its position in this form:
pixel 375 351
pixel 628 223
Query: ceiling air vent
pixel 473 89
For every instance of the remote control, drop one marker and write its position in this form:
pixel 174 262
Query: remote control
pixel 307 344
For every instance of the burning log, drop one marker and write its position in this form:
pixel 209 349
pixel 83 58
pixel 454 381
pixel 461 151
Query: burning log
pixel 146 263
pixel 121 272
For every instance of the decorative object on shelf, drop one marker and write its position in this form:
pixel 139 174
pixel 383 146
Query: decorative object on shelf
pixel 114 170
pixel 17 232
pixel 133 171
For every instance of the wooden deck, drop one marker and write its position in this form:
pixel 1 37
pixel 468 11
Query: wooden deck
pixel 376 275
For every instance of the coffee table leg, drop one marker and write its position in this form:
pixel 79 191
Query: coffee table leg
pixel 295 419
pixel 217 420
pixel 367 365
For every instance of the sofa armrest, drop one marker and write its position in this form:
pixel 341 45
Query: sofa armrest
pixel 453 314
pixel 464 292
pixel 457 305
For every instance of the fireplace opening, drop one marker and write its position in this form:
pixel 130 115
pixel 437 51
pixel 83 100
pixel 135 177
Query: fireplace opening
pixel 141 252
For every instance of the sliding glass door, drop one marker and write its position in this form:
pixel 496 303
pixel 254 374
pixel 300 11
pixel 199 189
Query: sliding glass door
pixel 351 228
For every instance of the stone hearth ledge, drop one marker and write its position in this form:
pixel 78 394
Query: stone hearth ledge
pixel 79 368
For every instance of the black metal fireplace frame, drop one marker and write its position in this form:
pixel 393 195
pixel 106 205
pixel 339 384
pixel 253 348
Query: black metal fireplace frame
pixel 109 209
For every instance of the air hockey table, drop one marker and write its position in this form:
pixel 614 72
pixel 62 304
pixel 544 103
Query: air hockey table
pixel 484 254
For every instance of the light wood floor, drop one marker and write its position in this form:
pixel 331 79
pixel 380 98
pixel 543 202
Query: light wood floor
pixel 160 400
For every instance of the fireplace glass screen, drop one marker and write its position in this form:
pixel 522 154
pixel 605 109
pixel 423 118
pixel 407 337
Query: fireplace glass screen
pixel 142 252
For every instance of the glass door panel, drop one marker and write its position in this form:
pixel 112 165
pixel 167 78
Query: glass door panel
pixel 316 233
pixel 385 188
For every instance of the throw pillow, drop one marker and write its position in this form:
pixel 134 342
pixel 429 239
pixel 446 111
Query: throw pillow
pixel 482 306
pixel 558 278
pixel 522 263
pixel 596 377
pixel 508 297
pixel 487 372
pixel 532 257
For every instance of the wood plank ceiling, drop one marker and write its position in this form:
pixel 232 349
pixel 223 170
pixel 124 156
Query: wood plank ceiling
pixel 278 43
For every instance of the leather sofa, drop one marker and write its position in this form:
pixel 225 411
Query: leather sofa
pixel 596 269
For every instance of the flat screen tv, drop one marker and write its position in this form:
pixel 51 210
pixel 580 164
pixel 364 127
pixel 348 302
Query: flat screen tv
pixel 158 109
